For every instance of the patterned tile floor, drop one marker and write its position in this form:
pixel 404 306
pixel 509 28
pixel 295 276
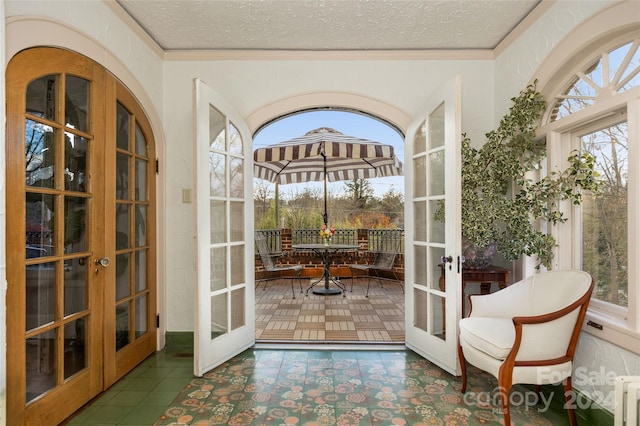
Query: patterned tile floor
pixel 355 385
pixel 265 387
pixel 334 318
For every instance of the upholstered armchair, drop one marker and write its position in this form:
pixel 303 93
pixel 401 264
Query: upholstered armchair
pixel 527 333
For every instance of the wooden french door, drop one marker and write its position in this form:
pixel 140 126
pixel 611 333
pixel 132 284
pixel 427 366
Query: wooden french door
pixel 80 222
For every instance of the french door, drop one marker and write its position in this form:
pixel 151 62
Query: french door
pixel 80 234
pixel 225 293
pixel 433 265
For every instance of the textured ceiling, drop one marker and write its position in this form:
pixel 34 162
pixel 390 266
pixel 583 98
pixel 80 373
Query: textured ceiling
pixel 328 24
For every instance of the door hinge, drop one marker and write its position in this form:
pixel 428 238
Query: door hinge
pixel 158 321
pixel 157 166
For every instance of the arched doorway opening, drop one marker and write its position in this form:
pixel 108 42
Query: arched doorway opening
pixel 361 210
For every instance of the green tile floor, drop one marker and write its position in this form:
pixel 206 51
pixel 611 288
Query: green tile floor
pixel 143 395
pixel 293 387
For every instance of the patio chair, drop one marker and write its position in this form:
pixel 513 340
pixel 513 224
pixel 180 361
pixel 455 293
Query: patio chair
pixel 527 333
pixel 276 271
pixel 382 264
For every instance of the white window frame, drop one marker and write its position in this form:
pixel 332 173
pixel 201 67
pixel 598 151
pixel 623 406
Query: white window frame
pixel 620 326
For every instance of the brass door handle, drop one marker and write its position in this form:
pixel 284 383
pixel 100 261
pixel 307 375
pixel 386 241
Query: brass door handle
pixel 103 261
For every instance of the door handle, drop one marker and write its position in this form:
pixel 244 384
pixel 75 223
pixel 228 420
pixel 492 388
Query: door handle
pixel 445 260
pixel 103 261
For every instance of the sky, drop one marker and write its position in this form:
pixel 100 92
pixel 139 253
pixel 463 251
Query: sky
pixel 348 123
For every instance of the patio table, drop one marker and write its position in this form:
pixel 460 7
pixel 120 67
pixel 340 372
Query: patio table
pixel 325 252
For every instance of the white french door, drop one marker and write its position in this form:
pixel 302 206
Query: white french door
pixel 433 270
pixel 225 292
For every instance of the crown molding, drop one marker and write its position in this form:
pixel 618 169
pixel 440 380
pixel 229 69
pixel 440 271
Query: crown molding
pixel 326 55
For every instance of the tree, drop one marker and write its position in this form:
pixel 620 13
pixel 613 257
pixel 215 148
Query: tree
pixel 360 192
pixel 392 205
pixel 303 209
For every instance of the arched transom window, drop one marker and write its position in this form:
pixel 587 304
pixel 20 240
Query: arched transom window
pixel 611 72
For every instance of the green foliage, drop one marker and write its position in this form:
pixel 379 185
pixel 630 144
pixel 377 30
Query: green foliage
pixel 500 201
pixel 302 209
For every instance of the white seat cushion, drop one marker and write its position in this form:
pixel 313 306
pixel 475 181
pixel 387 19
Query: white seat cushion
pixel 493 336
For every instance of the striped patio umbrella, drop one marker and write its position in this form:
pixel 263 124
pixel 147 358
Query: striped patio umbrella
pixel 327 155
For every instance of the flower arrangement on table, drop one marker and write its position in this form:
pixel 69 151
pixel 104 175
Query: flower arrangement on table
pixel 326 233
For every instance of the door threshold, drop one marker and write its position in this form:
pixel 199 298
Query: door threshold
pixel 329 345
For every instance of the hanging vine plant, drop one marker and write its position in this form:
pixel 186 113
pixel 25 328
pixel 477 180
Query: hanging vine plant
pixel 500 202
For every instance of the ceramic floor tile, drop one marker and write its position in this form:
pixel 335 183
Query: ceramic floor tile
pixel 330 313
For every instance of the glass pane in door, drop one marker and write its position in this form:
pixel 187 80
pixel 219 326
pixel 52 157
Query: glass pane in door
pixel 75 163
pixel 75 351
pixel 75 220
pixel 40 154
pixel 420 309
pixel 122 127
pixel 141 315
pixel 219 315
pixel 437 319
pixel 218 267
pixel 131 228
pixel 237 308
pixel 76 105
pixel 40 294
pixel 41 363
pixel 122 325
pixel 141 270
pixel 41 97
pixel 75 285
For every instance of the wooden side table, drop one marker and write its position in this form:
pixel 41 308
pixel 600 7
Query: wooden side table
pixel 487 276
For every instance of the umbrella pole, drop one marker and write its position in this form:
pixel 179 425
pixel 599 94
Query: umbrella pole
pixel 277 209
pixel 325 217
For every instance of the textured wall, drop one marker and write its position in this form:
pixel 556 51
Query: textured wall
pixel 517 65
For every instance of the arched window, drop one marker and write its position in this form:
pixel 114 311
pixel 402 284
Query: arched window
pixel 611 72
pixel 597 110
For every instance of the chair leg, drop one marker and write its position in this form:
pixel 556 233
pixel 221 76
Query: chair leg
pixel 568 395
pixel 504 399
pixel 368 284
pixel 463 368
pixel 293 292
pixel 504 387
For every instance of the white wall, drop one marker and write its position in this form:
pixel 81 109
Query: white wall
pixel 517 65
pixel 252 85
